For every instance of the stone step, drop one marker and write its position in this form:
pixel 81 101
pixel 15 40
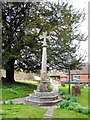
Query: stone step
pixel 46 97
pixel 43 103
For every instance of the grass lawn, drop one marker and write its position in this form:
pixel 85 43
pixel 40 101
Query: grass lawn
pixel 82 99
pixel 22 111
pixel 17 90
pixel 64 113
pixel 21 89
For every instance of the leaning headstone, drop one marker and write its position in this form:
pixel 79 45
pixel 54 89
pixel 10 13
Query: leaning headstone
pixel 76 91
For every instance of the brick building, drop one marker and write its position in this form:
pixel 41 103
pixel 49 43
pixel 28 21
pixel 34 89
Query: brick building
pixel 82 75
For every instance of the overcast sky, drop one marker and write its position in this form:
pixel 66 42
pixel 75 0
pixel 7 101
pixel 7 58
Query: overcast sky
pixel 80 4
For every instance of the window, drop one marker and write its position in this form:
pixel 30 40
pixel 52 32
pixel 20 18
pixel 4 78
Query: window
pixel 78 77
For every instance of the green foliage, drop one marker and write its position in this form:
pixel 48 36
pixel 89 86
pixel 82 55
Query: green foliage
pixel 72 105
pixel 64 104
pixel 69 98
pixel 82 99
pixel 61 92
pixel 72 102
pixel 23 22
pixel 78 108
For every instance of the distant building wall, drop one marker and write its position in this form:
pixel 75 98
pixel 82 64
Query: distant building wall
pixel 80 78
pixel 20 75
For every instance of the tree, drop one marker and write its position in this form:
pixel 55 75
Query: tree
pixel 64 35
pixel 24 22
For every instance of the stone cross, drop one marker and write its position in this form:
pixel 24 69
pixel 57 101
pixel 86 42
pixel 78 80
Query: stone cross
pixel 44 56
pixel 44 36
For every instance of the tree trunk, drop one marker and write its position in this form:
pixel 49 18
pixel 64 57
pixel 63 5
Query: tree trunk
pixel 10 71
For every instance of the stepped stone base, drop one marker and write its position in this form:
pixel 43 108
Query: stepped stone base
pixel 43 99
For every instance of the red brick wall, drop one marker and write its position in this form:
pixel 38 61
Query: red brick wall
pixel 83 78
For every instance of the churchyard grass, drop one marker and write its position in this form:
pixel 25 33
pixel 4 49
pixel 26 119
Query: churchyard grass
pixel 82 100
pixel 64 113
pixel 21 89
pixel 22 111
pixel 17 90
pixel 15 111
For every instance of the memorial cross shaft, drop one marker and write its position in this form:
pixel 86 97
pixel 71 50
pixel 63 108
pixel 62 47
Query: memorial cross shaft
pixel 44 85
pixel 44 56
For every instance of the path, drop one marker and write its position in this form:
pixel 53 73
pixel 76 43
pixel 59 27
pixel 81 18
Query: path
pixel 49 113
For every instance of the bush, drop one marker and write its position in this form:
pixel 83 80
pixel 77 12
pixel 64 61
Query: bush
pixel 78 108
pixel 69 98
pixel 85 110
pixel 72 106
pixel 73 99
pixel 64 104
pixel 61 92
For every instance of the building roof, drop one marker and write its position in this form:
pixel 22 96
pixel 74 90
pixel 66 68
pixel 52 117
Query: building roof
pixel 85 70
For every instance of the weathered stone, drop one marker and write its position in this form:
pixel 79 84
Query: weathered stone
pixel 44 86
pixel 76 90
pixel 43 99
pixel 43 96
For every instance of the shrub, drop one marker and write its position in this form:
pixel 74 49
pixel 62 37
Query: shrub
pixel 69 98
pixel 78 108
pixel 73 99
pixel 63 96
pixel 61 92
pixel 85 110
pixel 70 107
pixel 64 104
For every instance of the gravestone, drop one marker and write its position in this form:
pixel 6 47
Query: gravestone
pixel 76 90
pixel 44 96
